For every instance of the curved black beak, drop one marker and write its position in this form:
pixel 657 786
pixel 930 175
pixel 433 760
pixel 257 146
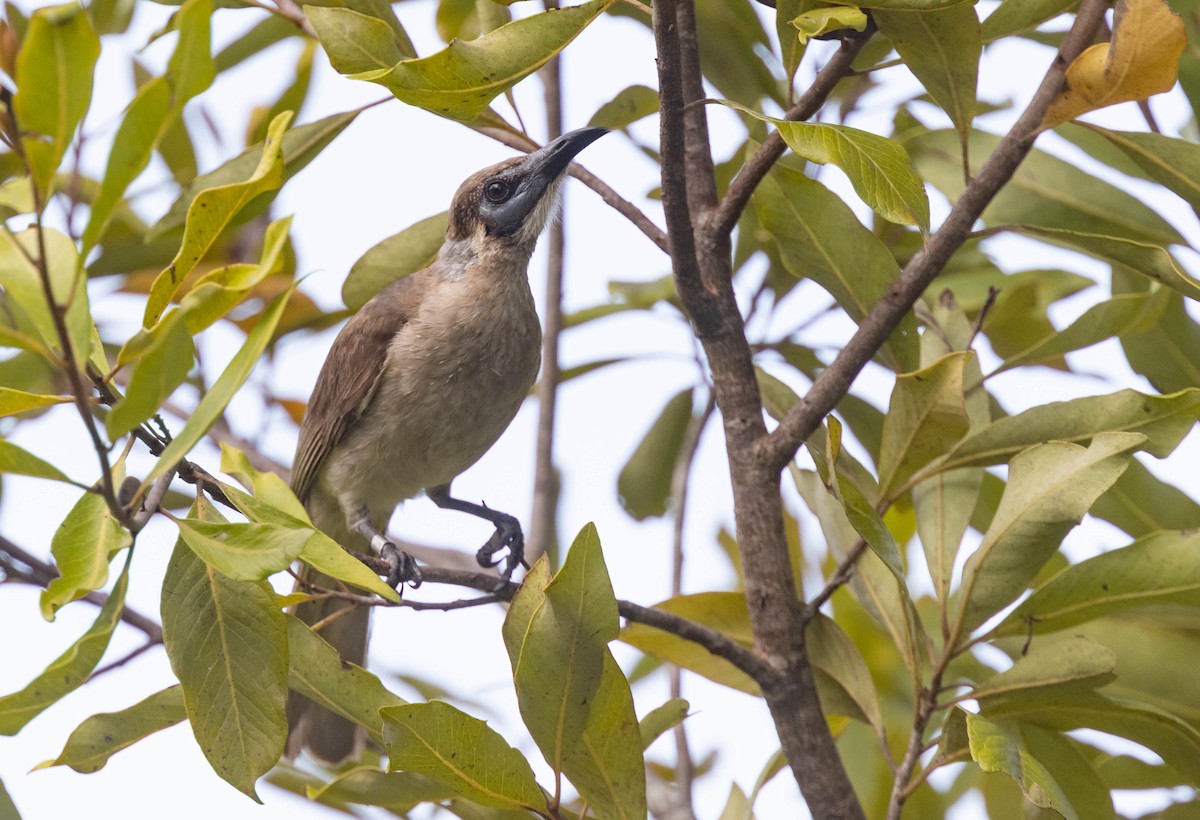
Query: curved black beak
pixel 553 158
pixel 536 174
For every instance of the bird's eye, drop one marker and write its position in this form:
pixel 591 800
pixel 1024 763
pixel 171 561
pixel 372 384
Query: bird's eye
pixel 496 191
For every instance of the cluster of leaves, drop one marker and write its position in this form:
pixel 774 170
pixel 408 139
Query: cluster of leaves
pixel 1101 644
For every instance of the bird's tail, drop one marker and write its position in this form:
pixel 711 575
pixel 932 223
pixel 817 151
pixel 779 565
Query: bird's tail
pixel 327 736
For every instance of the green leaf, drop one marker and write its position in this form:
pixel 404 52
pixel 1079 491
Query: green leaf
pixel 1161 568
pixel 573 624
pixel 1164 420
pixel 15 460
pixel 22 281
pixel 630 105
pixel 213 404
pixel 157 106
pixel 267 32
pixel 83 545
pixel 1174 740
pixel 317 671
pixel 399 255
pixel 243 552
pixel 1168 353
pixel 267 487
pixel 163 366
pixel 874 584
pixel 1144 258
pixel 820 238
pixel 581 717
pixel 217 292
pixel 226 641
pixel 1173 163
pixel 943 505
pixel 1074 773
pixel 927 417
pixel 1127 314
pixel 879 168
pixel 903 5
pixel 840 670
pixel 13 402
pixel 460 81
pixel 1141 503
pixel 367 786
pixel 70 670
pixel 378 10
pixel 354 42
pixel 996 751
pixel 1050 488
pixel 300 146
pixel 211 211
pixel 867 523
pixel 731 41
pixel 644 484
pixel 1072 661
pixel 942 50
pixel 816 22
pixel 1045 192
pixel 462 752
pixel 662 719
pixel 54 86
pixel 275 504
pixel 1019 16
pixel 101 736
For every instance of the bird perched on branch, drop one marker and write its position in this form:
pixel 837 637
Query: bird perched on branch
pixel 419 384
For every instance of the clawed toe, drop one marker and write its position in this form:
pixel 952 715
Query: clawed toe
pixel 402 567
pixel 508 536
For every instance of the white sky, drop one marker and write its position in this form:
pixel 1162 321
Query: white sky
pixel 392 167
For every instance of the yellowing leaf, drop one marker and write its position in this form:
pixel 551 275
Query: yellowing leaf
pixel 1141 60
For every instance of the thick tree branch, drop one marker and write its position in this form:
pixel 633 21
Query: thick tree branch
pixel 702 264
pixel 726 215
pixel 877 326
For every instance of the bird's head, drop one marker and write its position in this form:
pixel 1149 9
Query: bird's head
pixel 513 200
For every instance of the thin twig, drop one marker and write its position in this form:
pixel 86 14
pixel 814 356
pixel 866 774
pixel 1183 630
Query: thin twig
pixel 544 511
pixel 684 770
pixel 840 578
pixel 124 659
pixel 22 566
pixel 81 395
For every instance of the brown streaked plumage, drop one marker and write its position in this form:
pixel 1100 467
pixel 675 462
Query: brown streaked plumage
pixel 418 385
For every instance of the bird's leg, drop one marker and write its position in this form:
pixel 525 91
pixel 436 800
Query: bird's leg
pixel 508 533
pixel 402 567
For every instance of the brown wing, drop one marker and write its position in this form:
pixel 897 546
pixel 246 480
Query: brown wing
pixel 350 375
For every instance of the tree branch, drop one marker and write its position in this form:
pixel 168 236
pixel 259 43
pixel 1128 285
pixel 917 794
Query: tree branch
pixel 925 265
pixel 702 265
pixel 543 517
pixel 19 565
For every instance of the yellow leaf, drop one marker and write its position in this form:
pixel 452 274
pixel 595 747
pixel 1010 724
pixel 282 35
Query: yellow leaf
pixel 1141 60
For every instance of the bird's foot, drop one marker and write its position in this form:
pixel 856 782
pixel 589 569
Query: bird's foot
pixel 401 567
pixel 508 536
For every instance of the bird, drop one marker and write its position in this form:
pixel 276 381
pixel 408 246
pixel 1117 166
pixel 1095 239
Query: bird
pixel 417 386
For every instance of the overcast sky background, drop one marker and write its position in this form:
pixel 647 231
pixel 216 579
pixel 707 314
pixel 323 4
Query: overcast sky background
pixel 394 166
